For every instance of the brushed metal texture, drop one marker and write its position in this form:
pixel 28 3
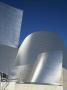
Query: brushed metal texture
pixel 47 46
pixel 10 25
pixel 36 43
pixel 7 58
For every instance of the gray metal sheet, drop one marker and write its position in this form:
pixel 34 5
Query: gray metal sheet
pixel 36 46
pixel 37 43
pixel 65 58
pixel 7 58
pixel 10 25
pixel 64 78
pixel 65 69
pixel 47 68
pixel 21 73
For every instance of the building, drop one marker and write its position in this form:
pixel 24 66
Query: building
pixel 37 63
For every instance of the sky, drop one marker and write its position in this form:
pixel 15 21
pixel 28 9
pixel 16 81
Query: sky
pixel 42 15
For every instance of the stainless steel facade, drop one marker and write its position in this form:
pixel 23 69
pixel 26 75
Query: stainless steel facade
pixel 39 58
pixel 41 51
pixel 65 69
pixel 7 58
pixel 10 25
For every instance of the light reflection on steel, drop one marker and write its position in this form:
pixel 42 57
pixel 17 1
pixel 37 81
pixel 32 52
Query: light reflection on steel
pixel 10 26
pixel 40 59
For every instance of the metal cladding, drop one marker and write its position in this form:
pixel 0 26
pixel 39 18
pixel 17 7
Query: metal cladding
pixel 64 79
pixel 7 58
pixel 10 25
pixel 47 68
pixel 37 43
pixel 64 58
pixel 39 59
pixel 65 69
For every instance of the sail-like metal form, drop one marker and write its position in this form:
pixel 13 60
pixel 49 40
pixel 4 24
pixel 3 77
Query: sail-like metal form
pixel 10 26
pixel 39 59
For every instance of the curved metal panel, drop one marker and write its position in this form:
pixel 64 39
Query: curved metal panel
pixel 43 52
pixel 10 25
pixel 47 68
pixel 36 43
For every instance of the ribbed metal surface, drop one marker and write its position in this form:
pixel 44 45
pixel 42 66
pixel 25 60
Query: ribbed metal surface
pixel 10 25
pixel 43 51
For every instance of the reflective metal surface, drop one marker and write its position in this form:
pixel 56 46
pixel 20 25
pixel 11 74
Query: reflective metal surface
pixel 39 59
pixel 65 69
pixel 7 58
pixel 65 58
pixel 37 43
pixel 48 68
pixel 10 25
